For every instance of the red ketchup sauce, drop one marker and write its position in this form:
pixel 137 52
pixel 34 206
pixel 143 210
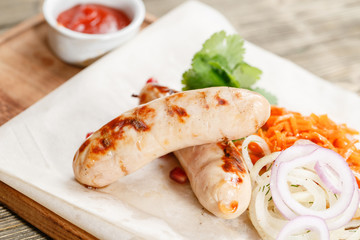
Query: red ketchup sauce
pixel 93 19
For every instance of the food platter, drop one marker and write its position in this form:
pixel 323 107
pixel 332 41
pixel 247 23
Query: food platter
pixel 157 208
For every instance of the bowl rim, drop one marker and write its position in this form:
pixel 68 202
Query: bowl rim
pixel 135 23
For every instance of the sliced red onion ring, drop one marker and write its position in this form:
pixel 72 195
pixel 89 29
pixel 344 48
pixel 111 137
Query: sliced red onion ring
pixel 289 154
pixel 348 214
pixel 329 157
pixel 300 223
pixel 328 176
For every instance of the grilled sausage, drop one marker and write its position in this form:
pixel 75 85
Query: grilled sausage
pixel 152 91
pixel 164 125
pixel 218 176
pixel 217 172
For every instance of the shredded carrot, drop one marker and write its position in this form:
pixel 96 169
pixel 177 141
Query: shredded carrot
pixel 255 152
pixel 284 128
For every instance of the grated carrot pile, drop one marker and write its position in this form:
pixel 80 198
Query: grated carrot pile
pixel 284 128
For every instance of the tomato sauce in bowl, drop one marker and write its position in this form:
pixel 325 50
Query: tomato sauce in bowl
pixel 80 32
pixel 93 19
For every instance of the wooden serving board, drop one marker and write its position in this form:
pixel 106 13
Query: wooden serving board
pixel 28 72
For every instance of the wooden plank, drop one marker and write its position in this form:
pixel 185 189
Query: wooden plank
pixel 30 70
pixel 42 218
pixel 25 26
pixel 11 226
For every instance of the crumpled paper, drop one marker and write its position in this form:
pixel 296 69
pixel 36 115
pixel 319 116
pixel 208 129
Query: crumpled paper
pixel 38 145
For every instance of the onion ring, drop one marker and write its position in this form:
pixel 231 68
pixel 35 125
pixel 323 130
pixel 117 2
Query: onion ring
pixel 327 175
pixel 260 164
pixel 348 214
pixel 326 156
pixel 312 223
pixel 245 151
pixel 307 188
pixel 287 155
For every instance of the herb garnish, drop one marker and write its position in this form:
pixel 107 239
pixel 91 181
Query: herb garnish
pixel 220 62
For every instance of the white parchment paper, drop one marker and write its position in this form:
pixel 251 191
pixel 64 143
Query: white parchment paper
pixel 37 146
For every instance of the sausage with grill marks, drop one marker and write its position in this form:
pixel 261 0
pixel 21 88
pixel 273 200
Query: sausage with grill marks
pixel 217 172
pixel 164 125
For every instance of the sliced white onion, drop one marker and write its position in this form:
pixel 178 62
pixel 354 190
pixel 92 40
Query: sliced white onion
pixel 326 156
pixel 287 155
pixel 265 217
pixel 311 186
pixel 317 193
pixel 348 214
pixel 245 148
pixel 304 222
pixel 355 236
pixel 325 194
pixel 266 221
pixel 350 231
pixel 260 164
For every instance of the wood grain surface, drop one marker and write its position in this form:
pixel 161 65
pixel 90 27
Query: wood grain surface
pixel 323 36
pixel 28 69
pixel 45 220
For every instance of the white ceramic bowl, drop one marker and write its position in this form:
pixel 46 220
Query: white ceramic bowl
pixel 80 48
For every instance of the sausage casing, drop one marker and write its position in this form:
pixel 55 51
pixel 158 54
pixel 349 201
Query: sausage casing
pixel 218 176
pixel 217 172
pixel 164 125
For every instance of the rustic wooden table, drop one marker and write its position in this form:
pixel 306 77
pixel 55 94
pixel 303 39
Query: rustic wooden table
pixel 323 36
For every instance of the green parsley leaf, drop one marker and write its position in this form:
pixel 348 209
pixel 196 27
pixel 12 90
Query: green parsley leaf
pixel 229 47
pixel 220 63
pixel 246 75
